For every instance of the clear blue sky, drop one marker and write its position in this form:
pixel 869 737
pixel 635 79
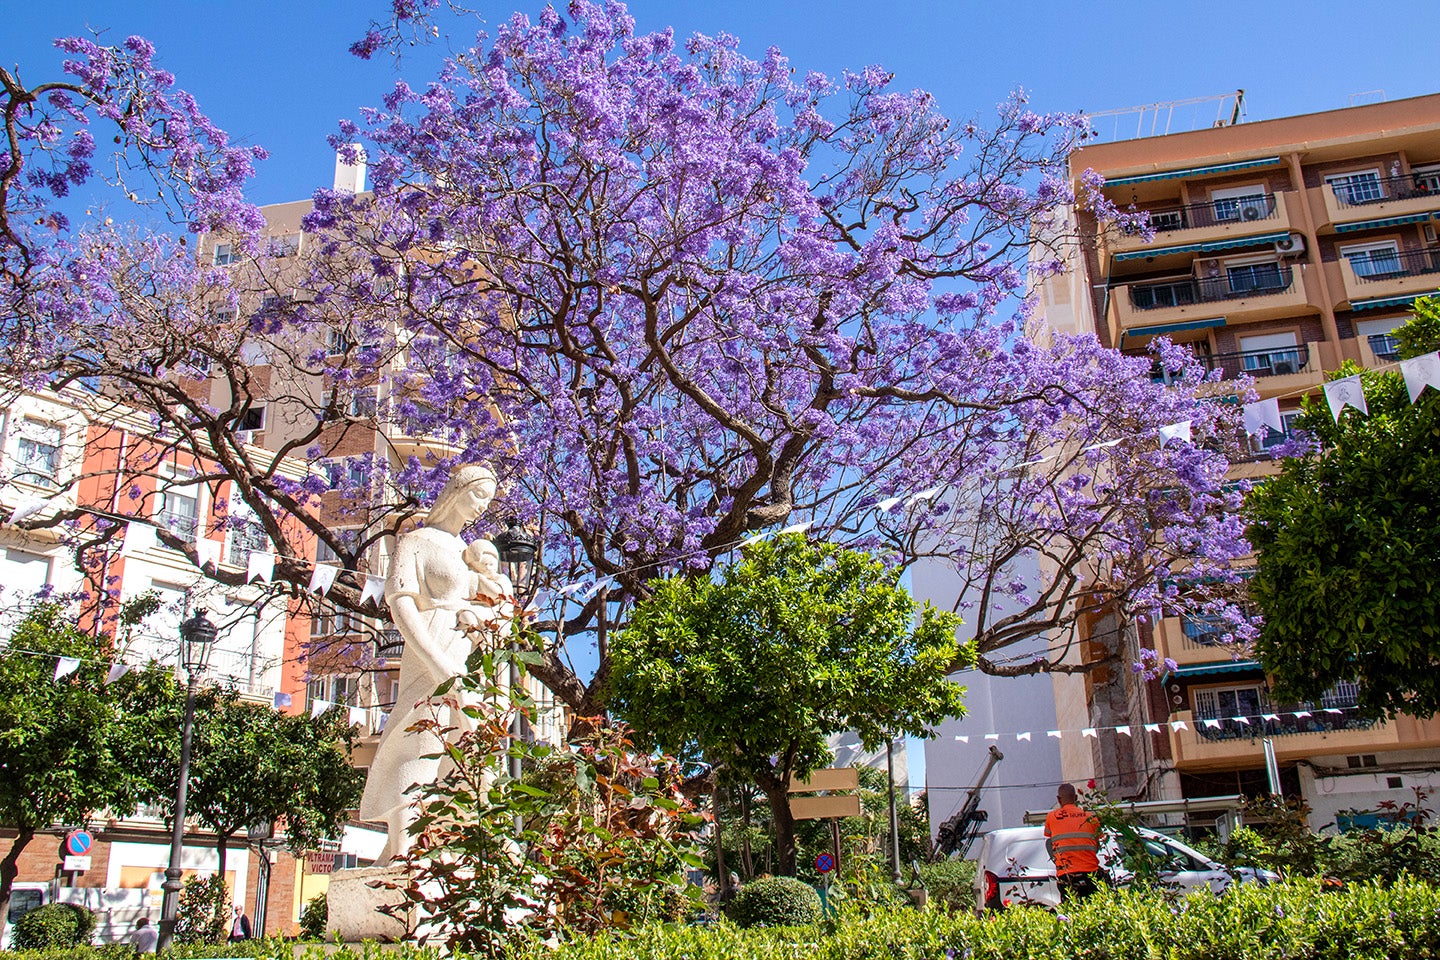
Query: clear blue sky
pixel 278 74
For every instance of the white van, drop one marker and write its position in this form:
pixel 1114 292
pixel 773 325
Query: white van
pixel 24 897
pixel 1013 868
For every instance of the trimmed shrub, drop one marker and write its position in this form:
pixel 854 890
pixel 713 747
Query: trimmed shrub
pixel 203 915
pixel 775 902
pixel 54 925
pixel 950 884
pixel 314 919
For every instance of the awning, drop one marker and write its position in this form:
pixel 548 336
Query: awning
pixel 1173 327
pixel 1386 222
pixel 1205 669
pixel 1194 171
pixel 1263 239
pixel 1402 301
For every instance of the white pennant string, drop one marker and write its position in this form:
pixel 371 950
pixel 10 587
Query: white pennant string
pixel 1263 413
pixel 318 707
pixel 992 736
pixel 1089 732
pixel 1152 728
pixel 1125 730
pixel 1176 725
pixel 1244 720
pixel 1345 392
pixel 1023 736
pixel 1100 446
pixel 755 539
pixel 1421 372
pixel 595 588
pixel 922 495
pixel 1270 716
pixel 139 537
pixel 357 716
pixel 799 527
pixel 1175 431
pixel 27 508
pixel 207 552
pixel 374 589
pixel 961 738
pixel 1301 714
pixel 1053 733
pixel 66 666
pixel 117 670
pixel 1212 724
pixel 322 578
pixel 261 565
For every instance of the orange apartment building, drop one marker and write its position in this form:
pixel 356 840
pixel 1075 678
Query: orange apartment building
pixel 1281 248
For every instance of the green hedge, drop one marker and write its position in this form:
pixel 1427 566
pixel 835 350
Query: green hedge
pixel 1294 921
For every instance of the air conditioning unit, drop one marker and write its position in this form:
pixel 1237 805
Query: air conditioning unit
pixel 1295 243
pixel 1251 212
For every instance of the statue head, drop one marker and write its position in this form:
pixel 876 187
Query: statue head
pixel 464 497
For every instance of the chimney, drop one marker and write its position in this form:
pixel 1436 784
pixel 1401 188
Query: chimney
pixel 350 178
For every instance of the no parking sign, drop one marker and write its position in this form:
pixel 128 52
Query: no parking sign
pixel 824 863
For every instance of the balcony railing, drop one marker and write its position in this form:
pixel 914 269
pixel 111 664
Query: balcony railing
pixel 1213 213
pixel 1392 265
pixel 1260 363
pixel 1362 190
pixel 1384 346
pixel 1181 293
pixel 1336 711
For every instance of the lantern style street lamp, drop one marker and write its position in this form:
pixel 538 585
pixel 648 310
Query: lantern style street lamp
pixel 518 550
pixel 197 636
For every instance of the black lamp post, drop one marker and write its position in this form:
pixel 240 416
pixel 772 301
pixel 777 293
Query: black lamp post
pixel 518 549
pixel 197 635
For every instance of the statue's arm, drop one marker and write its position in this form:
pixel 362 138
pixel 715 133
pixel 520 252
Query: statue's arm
pixel 419 643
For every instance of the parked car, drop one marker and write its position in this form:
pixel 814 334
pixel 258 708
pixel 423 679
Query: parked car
pixel 24 897
pixel 1013 868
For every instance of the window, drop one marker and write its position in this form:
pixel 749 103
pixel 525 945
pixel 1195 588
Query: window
pixel 362 403
pixel 342 690
pixel 329 622
pixel 1254 277
pixel 1427 178
pixel 1151 296
pixel 348 537
pixel 1214 703
pixel 1200 630
pixel 253 418
pixel 1353 189
pixel 337 342
pixel 1377 334
pixel 1374 259
pixel 247 538
pixel 1240 203
pixel 1273 439
pixel 1270 354
pixel 224 254
pixel 177 508
pixel 286 246
pixel 37 453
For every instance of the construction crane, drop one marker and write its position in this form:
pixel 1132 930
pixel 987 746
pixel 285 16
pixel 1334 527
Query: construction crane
pixel 959 832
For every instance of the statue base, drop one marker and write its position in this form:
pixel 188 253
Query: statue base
pixel 356 903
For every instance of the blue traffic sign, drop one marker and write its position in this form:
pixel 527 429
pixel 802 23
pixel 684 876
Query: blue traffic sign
pixel 824 863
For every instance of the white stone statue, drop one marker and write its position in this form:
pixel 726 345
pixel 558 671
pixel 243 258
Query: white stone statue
pixel 432 592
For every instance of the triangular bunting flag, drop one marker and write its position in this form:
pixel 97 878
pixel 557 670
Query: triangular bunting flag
pixel 992 736
pixel 922 495
pixel 322 578
pixel 1089 732
pixel 318 707
pixel 1125 730
pixel 1053 733
pixel 283 700
pixel 888 504
pixel 66 666
pixel 1301 714
pixel 1244 720
pixel 1178 725
pixel 260 565
pixel 1033 463
pixel 1100 446
pixel 537 602
pixel 749 540
pixel 569 589
pixel 357 716
pixel 1270 716
pixel 1212 724
pixel 374 589
pixel 117 670
pixel 1175 431
pixel 595 588
pixel 27 508
pixel 380 724
pixel 139 537
pixel 1152 728
pixel 1333 710
pixel 962 739
pixel 1421 372
pixel 799 527
pixel 1263 413
pixel 1345 392
pixel 1023 736
pixel 207 552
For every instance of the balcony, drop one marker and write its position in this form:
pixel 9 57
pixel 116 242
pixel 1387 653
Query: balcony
pixel 1136 308
pixel 1198 223
pixel 1389 273
pixel 1188 643
pixel 1228 742
pixel 1360 199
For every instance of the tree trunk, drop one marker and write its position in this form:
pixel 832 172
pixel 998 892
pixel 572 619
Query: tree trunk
pixel 779 796
pixel 222 846
pixel 747 860
pixel 10 869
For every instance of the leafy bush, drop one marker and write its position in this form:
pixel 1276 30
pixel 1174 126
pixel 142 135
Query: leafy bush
pixel 204 912
pixel 54 925
pixel 315 917
pixel 775 902
pixel 950 884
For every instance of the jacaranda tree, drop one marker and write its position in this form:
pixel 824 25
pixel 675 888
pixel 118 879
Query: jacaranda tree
pixel 678 297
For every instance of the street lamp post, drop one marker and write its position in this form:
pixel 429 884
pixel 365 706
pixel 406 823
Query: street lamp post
pixel 197 635
pixel 518 550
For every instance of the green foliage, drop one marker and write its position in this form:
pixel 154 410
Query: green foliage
pixel 594 837
pixel 1348 554
pixel 204 912
pixel 54 925
pixel 950 884
pixel 315 917
pixel 775 902
pixel 795 643
pixel 1421 333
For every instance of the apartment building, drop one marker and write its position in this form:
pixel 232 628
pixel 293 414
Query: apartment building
pixel 1281 248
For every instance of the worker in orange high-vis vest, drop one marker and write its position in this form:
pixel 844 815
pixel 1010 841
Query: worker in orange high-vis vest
pixel 1072 838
